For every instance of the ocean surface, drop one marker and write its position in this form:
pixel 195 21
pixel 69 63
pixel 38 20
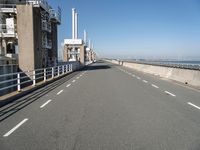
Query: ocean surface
pixel 171 63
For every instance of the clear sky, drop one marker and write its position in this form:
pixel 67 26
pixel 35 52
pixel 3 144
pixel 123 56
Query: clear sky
pixel 156 29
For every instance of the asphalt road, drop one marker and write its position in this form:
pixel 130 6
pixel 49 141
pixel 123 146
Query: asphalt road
pixel 105 107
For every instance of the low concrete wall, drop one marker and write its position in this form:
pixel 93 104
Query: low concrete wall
pixel 186 76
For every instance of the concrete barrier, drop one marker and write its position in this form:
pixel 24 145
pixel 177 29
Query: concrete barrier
pixel 186 76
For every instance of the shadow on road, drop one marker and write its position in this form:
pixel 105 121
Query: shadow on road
pixel 13 107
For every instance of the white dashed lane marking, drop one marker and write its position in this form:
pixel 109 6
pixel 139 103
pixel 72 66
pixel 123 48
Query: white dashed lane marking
pixel 153 85
pixel 45 103
pixel 74 81
pixel 15 128
pixel 191 104
pixel 68 85
pixel 60 92
pixel 169 93
pixel 145 81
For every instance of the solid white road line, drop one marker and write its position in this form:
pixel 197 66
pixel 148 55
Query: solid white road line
pixel 15 128
pixel 74 81
pixel 145 81
pixel 68 85
pixel 45 103
pixel 155 86
pixel 170 93
pixel 59 92
pixel 194 105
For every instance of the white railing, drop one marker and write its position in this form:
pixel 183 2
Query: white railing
pixel 18 81
pixel 8 8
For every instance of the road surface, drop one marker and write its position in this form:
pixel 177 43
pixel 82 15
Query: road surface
pixel 104 107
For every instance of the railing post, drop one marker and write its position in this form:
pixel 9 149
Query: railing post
pixel 18 82
pixel 63 69
pixel 71 67
pixel 52 71
pixel 34 78
pixel 58 70
pixel 45 77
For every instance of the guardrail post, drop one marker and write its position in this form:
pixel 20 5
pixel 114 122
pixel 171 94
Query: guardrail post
pixel 70 67
pixel 34 78
pixel 45 77
pixel 18 82
pixel 58 70
pixel 63 69
pixel 52 71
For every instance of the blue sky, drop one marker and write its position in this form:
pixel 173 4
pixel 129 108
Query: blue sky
pixel 155 29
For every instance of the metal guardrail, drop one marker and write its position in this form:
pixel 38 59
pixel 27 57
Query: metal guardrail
pixel 17 81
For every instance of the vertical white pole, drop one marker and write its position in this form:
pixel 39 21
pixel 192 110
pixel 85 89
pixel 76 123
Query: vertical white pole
pixel 63 69
pixel 52 71
pixel 58 70
pixel 18 82
pixel 34 78
pixel 45 75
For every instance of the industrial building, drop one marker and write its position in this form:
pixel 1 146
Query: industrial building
pixel 76 49
pixel 28 33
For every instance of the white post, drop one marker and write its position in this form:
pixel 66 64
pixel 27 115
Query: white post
pixel 18 82
pixel 45 76
pixel 34 78
pixel 71 67
pixel 58 70
pixel 52 71
pixel 63 69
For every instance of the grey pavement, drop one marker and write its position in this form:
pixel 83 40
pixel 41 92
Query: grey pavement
pixel 104 107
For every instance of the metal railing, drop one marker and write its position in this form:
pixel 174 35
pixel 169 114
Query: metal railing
pixel 56 14
pixel 7 7
pixel 18 81
pixel 42 3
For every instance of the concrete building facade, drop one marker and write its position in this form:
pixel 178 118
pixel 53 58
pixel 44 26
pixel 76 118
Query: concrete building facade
pixel 34 33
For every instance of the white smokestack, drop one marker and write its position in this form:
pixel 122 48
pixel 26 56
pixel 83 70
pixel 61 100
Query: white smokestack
pixel 85 37
pixel 89 44
pixel 73 23
pixel 76 25
pixel 92 46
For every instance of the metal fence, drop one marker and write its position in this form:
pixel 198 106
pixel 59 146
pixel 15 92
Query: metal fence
pixel 18 81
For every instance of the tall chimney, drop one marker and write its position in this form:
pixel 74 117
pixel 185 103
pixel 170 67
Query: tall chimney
pixel 89 44
pixel 85 37
pixel 76 25
pixel 73 23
